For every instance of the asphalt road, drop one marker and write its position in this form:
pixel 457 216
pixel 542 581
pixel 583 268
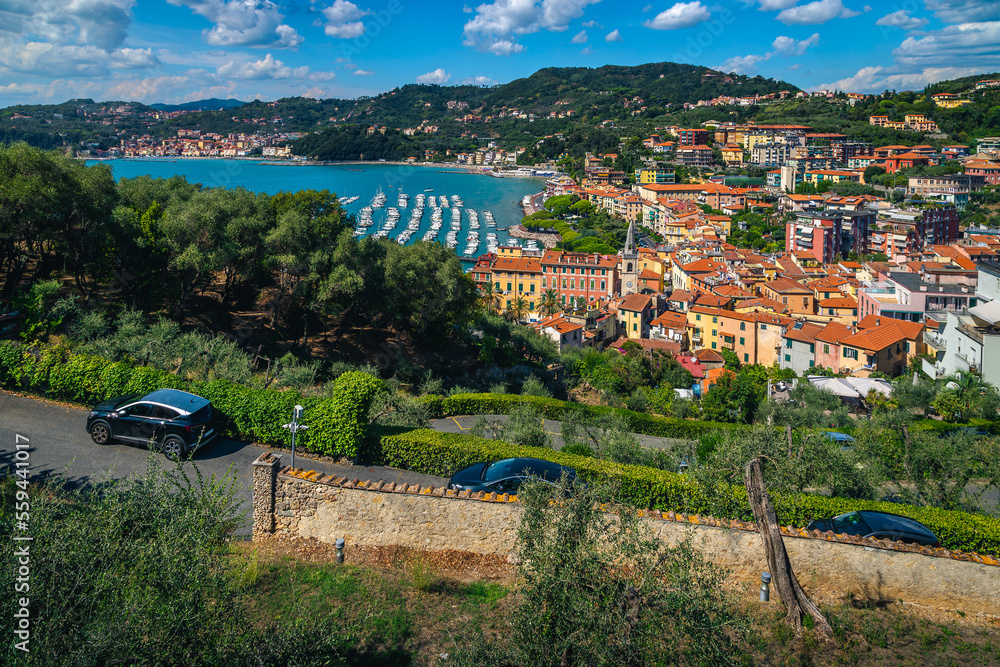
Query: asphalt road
pixel 60 447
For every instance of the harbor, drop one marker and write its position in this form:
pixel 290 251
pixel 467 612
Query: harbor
pixel 459 208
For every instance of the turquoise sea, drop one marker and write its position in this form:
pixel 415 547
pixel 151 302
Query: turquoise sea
pixel 480 192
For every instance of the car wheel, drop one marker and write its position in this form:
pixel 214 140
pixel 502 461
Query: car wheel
pixel 174 448
pixel 100 433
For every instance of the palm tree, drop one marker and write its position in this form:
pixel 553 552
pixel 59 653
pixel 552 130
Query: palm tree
pixel 550 303
pixel 972 396
pixel 518 309
pixel 488 295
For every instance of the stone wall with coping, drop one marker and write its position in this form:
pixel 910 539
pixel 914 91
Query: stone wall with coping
pixel 306 504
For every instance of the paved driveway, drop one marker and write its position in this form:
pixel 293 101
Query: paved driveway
pixel 59 446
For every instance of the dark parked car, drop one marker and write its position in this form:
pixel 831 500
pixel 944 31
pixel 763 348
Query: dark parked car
pixel 879 525
pixel 507 475
pixel 173 420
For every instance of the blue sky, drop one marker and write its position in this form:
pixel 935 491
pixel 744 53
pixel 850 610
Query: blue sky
pixel 182 50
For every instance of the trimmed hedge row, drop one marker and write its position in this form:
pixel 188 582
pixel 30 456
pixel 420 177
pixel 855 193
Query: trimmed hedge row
pixel 336 425
pixel 437 453
pixel 552 408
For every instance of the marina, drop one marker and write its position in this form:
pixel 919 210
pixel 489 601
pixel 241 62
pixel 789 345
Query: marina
pixel 464 210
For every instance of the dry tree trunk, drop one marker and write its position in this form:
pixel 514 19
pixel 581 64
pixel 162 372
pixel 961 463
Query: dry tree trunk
pixel 787 586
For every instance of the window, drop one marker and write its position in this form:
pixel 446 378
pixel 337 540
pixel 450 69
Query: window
pixel 715 320
pixel 906 346
pixel 498 285
pixel 715 332
pixel 531 305
pixel 784 300
pixel 788 357
pixel 743 326
pixel 812 348
pixel 788 343
pixel 826 349
pixel 742 342
pixel 829 311
pixel 713 344
pixel 746 357
pixel 854 312
pixel 763 327
pixel 138 410
pixel 508 287
pixel 591 284
pixel 604 272
pixel 635 326
pixel 532 288
pixel 805 301
pixel 811 363
pixel 564 283
pixel 850 353
pixel 603 285
pixel 697 316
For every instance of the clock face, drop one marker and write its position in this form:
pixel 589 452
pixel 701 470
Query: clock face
pixel 628 284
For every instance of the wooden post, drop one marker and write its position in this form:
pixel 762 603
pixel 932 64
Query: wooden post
pixel 792 595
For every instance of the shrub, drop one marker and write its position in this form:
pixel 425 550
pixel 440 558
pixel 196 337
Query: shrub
pixel 442 454
pixel 551 408
pixel 338 425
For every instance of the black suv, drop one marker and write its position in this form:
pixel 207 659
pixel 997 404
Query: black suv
pixel 173 420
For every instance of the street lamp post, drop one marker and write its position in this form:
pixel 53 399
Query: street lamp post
pixel 294 426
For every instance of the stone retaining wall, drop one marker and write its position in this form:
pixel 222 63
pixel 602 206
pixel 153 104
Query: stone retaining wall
pixel 306 504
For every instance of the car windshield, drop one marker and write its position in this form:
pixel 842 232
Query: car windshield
pixel 125 400
pixel 503 468
pixel 851 523
pixel 893 524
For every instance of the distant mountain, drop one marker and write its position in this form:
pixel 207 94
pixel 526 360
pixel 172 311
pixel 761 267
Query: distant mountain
pixel 213 104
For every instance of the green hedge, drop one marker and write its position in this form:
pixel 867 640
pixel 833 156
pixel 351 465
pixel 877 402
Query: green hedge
pixel 437 453
pixel 337 425
pixel 639 422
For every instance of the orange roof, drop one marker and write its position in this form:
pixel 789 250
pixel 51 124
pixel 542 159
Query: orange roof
pixel 839 302
pixel 805 333
pixel 782 285
pixel 886 332
pixel 834 332
pixel 634 303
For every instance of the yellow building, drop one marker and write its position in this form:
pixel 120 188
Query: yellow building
pixel 635 312
pixel 515 275
pixel 732 154
pixel 703 328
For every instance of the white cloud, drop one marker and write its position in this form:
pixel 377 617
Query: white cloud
pixel 788 46
pixel 99 23
pixel 496 25
pixel 816 12
pixel 647 8
pixel 962 45
pixel 315 93
pixel 878 78
pixel 504 47
pixel 153 89
pixel 133 58
pixel 269 68
pixel 580 37
pixel 614 36
pixel 742 64
pixel 963 11
pixel 243 22
pixel 587 51
pixel 478 81
pixel 681 15
pixel 782 46
pixel 592 24
pixel 343 20
pixel 362 72
pixel 438 76
pixel 902 19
